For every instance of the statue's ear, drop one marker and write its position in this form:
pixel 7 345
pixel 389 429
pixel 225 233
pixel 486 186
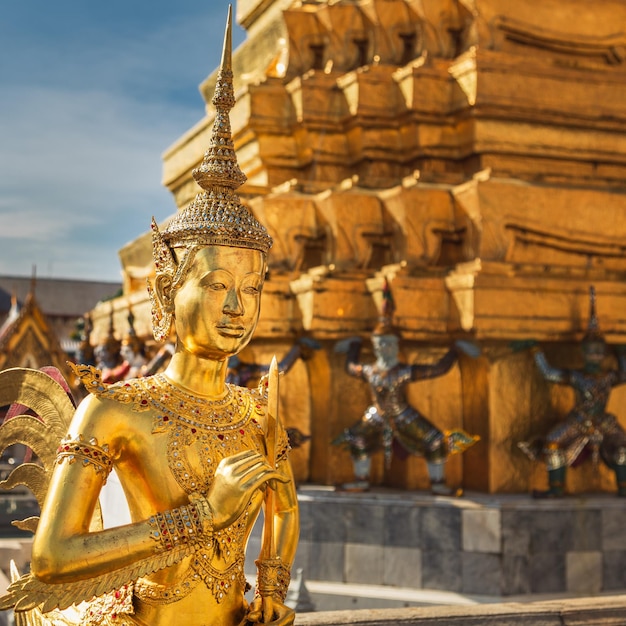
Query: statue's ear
pixel 164 292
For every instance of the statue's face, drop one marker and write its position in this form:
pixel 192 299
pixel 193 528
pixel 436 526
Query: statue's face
pixel 386 348
pixel 217 307
pixel 594 352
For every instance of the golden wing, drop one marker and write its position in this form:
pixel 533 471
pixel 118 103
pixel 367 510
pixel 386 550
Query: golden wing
pixel 35 617
pixel 27 592
pixel 29 596
pixel 42 433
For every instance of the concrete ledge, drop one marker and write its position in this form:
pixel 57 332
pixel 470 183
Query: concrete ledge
pixel 601 611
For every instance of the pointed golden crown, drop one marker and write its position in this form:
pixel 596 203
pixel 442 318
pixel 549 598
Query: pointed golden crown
pixel 385 319
pixel 593 333
pixel 216 215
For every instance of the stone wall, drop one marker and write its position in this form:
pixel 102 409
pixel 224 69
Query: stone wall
pixel 501 545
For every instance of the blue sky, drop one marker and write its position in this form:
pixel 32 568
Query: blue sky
pixel 91 95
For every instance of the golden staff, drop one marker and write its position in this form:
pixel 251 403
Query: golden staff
pixel 269 562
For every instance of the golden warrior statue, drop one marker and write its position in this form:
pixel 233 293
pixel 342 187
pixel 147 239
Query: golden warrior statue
pixel 197 457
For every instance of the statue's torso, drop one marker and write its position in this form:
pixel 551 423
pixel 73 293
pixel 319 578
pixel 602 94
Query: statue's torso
pixel 170 447
pixel 388 388
pixel 592 392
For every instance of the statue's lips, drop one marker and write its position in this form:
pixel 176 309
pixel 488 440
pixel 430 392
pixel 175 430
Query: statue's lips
pixel 231 331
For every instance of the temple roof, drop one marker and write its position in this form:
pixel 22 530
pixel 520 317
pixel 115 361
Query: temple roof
pixel 28 340
pixel 56 297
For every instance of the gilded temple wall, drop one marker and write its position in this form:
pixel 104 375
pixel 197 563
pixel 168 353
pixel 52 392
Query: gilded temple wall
pixel 472 152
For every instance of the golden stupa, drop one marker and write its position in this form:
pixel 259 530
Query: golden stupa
pixel 470 152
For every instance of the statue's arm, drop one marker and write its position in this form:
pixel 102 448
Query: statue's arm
pixel 64 547
pixel 287 362
pixel 352 349
pixel 552 374
pixel 441 367
pixel 620 353
pixel 279 542
pixel 303 348
pixel 286 516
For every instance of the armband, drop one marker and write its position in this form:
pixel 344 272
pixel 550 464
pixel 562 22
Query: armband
pixel 88 453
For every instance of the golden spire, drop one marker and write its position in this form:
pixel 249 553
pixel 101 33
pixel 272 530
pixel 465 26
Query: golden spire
pixel 216 215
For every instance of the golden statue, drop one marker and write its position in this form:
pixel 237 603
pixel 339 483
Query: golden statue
pixel 197 458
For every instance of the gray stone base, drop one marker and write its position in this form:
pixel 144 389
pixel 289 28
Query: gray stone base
pixel 486 545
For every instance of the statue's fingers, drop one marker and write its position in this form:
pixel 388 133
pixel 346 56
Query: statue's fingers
pixel 238 459
pixel 255 614
pixel 259 479
pixel 255 617
pixel 284 616
pixel 244 462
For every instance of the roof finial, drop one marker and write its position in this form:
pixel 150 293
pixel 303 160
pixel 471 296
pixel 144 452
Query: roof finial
pixel 33 279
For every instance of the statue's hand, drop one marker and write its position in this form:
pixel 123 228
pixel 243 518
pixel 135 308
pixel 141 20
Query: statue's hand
pixel 519 345
pixel 343 345
pixel 307 346
pixel 236 478
pixel 282 614
pixel 467 347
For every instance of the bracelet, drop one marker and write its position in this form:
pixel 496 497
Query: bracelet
pixel 273 578
pixel 204 510
pixel 177 526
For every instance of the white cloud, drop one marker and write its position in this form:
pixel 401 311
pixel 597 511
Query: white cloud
pixel 84 120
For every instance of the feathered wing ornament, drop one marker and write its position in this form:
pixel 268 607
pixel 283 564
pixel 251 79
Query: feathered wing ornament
pixel 46 395
pixel 50 401
pixel 27 592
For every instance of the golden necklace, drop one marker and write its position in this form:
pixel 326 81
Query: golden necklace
pixel 175 404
